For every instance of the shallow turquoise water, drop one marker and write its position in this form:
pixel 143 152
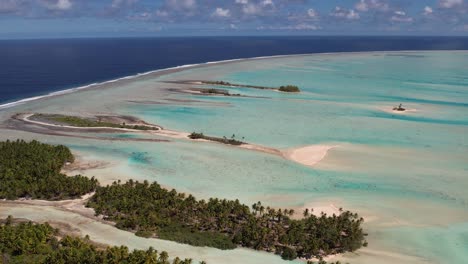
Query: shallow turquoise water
pixel 406 173
pixel 420 156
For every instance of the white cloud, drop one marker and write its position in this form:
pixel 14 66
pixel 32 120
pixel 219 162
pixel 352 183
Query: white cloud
pixel 60 5
pixel 312 13
pixel 428 10
pixel 301 26
pixel 366 5
pixel 220 12
pixel 400 13
pixel 305 27
pixel 400 16
pixel 64 4
pixel 450 3
pixel 250 9
pixel 182 4
pixel 344 13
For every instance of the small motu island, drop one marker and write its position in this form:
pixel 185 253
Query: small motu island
pixel 213 91
pixel 148 210
pixel 224 140
pixel 399 108
pixel 285 88
pixel 61 124
pixel 92 122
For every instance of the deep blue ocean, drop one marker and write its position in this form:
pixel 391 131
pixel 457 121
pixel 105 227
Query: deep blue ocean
pixel 36 67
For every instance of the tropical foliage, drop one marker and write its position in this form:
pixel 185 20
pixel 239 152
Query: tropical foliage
pixel 31 243
pixel 154 211
pixel 224 140
pixel 87 122
pixel 32 170
pixel 289 89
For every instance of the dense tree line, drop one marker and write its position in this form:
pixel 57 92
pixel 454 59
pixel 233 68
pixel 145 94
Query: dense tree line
pixel 150 210
pixel 289 89
pixel 29 243
pixel 224 140
pixel 32 170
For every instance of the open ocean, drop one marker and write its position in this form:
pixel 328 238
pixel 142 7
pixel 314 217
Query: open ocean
pixel 37 67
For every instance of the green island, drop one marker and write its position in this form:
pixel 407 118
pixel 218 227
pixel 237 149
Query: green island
pixel 217 92
pixel 286 88
pixel 152 211
pixel 87 122
pixel 224 140
pixel 289 89
pixel 399 108
pixel 31 243
pixel 32 170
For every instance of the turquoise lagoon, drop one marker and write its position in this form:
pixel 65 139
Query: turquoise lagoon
pixel 407 174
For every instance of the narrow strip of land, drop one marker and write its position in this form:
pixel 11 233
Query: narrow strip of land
pixel 307 155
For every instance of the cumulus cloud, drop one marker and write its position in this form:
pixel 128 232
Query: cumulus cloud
pixel 340 12
pixel 59 5
pixel 367 5
pixel 312 13
pixel 297 27
pixel 220 12
pixel 371 15
pixel 450 3
pixel 400 16
pixel 181 4
pixel 428 10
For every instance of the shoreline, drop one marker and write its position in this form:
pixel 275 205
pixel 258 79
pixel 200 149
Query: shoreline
pixel 309 155
pixel 161 72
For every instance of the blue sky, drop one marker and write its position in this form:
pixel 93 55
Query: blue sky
pixel 120 18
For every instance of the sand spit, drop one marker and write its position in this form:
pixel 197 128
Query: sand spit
pixel 308 155
pixel 72 205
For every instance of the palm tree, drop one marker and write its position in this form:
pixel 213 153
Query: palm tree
pixel 163 257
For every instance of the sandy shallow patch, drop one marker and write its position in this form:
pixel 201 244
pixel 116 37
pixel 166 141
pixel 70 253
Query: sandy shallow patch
pixel 309 155
pixel 391 111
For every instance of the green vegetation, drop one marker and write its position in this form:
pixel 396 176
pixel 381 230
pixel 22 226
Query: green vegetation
pixel 217 92
pixel 148 208
pixel 224 140
pixel 289 89
pixel 399 108
pixel 29 243
pixel 222 83
pixel 32 170
pixel 87 122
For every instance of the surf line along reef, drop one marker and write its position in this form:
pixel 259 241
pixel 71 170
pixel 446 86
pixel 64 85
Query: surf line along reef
pixel 148 210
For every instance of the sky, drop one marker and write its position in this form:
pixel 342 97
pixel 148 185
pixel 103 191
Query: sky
pixel 125 18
